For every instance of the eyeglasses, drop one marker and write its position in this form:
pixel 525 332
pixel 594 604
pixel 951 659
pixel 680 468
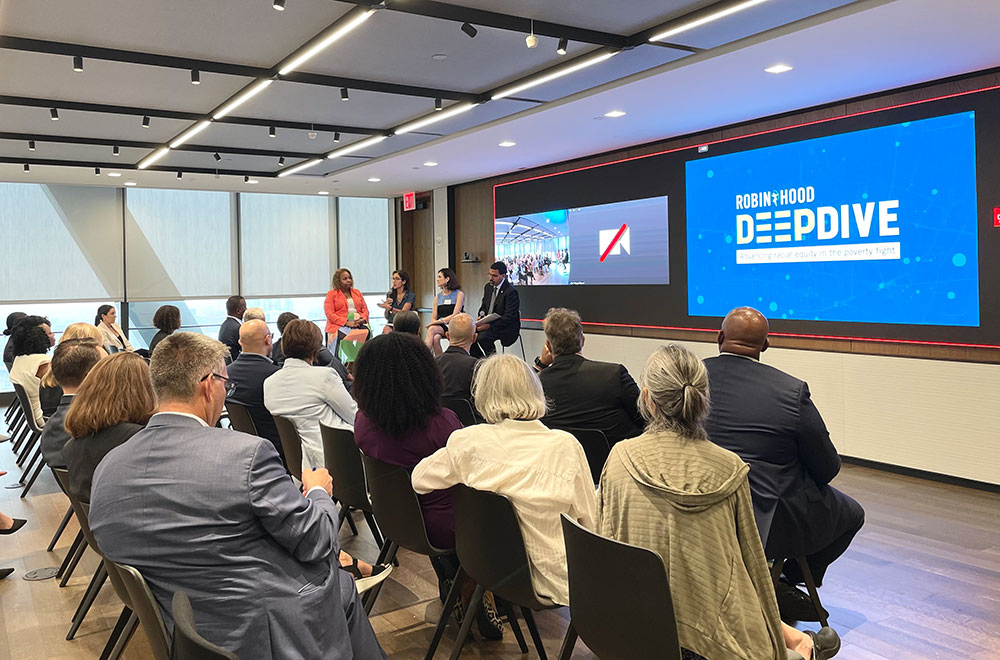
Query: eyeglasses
pixel 228 384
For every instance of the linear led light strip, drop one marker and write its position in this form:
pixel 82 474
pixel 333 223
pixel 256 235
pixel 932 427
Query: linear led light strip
pixel 558 73
pixel 708 18
pixel 300 167
pixel 251 92
pixel 357 146
pixel 190 133
pixel 434 118
pixel 335 34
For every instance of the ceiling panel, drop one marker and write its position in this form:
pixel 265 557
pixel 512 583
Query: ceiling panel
pixel 472 65
pixel 316 103
pixel 255 137
pixel 235 31
pixel 593 14
pixel 22 119
pixel 197 159
pixel 40 75
pixel 753 20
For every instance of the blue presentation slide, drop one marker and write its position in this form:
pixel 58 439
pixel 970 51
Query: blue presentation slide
pixel 616 243
pixel 873 226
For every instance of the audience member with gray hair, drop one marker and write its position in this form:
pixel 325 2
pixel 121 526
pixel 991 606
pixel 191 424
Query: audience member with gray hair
pixel 671 490
pixel 212 512
pixel 584 393
pixel 543 472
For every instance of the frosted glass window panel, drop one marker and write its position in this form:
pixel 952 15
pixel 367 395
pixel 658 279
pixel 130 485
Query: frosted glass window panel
pixel 364 242
pixel 178 243
pixel 285 244
pixel 60 242
pixel 204 315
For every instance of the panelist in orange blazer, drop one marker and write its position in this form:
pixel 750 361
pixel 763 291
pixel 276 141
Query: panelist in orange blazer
pixel 344 306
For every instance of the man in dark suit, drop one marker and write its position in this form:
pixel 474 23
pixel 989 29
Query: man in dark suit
pixel 585 394
pixel 71 362
pixel 213 513
pixel 456 364
pixel 499 297
pixel 229 332
pixel 248 372
pixel 768 418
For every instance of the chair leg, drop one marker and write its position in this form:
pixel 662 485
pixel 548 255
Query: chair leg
pixel 72 565
pixel 100 577
pixel 70 554
pixel 373 526
pixel 449 605
pixel 34 475
pixel 29 444
pixel 569 641
pixel 463 633
pixel 59 530
pixel 350 522
pixel 340 518
pixel 368 600
pixel 529 620
pixel 776 568
pixel 515 626
pixel 123 639
pixel 811 586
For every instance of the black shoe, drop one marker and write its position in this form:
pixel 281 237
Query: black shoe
pixel 826 643
pixel 379 573
pixel 795 604
pixel 18 524
pixel 4 572
pixel 488 619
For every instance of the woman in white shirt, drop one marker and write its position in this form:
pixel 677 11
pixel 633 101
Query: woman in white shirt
pixel 114 339
pixel 308 396
pixel 543 472
pixel 31 345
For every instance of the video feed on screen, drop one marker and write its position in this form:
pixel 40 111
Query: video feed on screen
pixel 876 225
pixel 618 243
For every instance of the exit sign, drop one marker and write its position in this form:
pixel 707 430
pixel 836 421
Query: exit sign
pixel 409 201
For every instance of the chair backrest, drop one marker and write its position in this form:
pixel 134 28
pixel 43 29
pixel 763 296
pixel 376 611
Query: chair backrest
pixel 627 616
pixel 397 508
pixel 491 547
pixel 463 409
pixel 239 418
pixel 112 349
pixel 188 644
pixel 343 460
pixel 147 609
pixel 595 446
pixel 291 444
pixel 22 398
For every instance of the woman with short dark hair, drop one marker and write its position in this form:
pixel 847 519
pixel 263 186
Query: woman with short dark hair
pixel 166 320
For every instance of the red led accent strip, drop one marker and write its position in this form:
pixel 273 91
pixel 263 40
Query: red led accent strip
pixel 741 137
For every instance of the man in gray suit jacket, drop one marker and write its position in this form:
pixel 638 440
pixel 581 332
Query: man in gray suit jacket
pixel 213 513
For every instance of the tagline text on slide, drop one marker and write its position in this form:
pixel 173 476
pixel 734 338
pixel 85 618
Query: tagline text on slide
pixel 815 253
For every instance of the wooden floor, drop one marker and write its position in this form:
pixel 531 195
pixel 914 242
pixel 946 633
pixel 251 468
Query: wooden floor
pixel 922 580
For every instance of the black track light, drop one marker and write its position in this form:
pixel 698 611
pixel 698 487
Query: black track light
pixel 438 105
pixel 77 63
pixel 54 114
pixel 31 145
pixel 279 5
pixel 97 171
pixel 180 175
pixel 27 168
pixel 561 48
pixel 272 132
pixel 281 161
pixel 344 94
pixel 145 121
pixel 216 156
pixel 470 30
pixel 115 151
pixel 195 77
pixel 246 178
pixel 336 137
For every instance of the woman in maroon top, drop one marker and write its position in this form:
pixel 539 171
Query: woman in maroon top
pixel 400 421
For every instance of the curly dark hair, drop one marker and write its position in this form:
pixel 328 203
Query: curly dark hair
pixel 397 383
pixel 167 318
pixel 29 338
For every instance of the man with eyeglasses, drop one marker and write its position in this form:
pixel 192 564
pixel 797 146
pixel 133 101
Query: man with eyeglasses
pixel 213 513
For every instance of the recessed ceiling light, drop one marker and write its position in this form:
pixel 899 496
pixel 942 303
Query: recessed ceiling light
pixel 507 143
pixel 439 57
pixel 323 192
pixel 613 114
pixel 778 68
pixel 374 179
pixel 114 174
pixel 130 183
pixel 253 181
pixel 430 163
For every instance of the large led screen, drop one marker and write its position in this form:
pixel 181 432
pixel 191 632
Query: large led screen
pixel 875 226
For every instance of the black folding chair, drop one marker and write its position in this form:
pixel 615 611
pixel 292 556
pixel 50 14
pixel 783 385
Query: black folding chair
pixel 239 418
pixel 147 609
pixel 595 446
pixel 463 409
pixel 627 615
pixel 491 548
pixel 33 441
pixel 343 460
pixel 291 445
pixel 188 644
